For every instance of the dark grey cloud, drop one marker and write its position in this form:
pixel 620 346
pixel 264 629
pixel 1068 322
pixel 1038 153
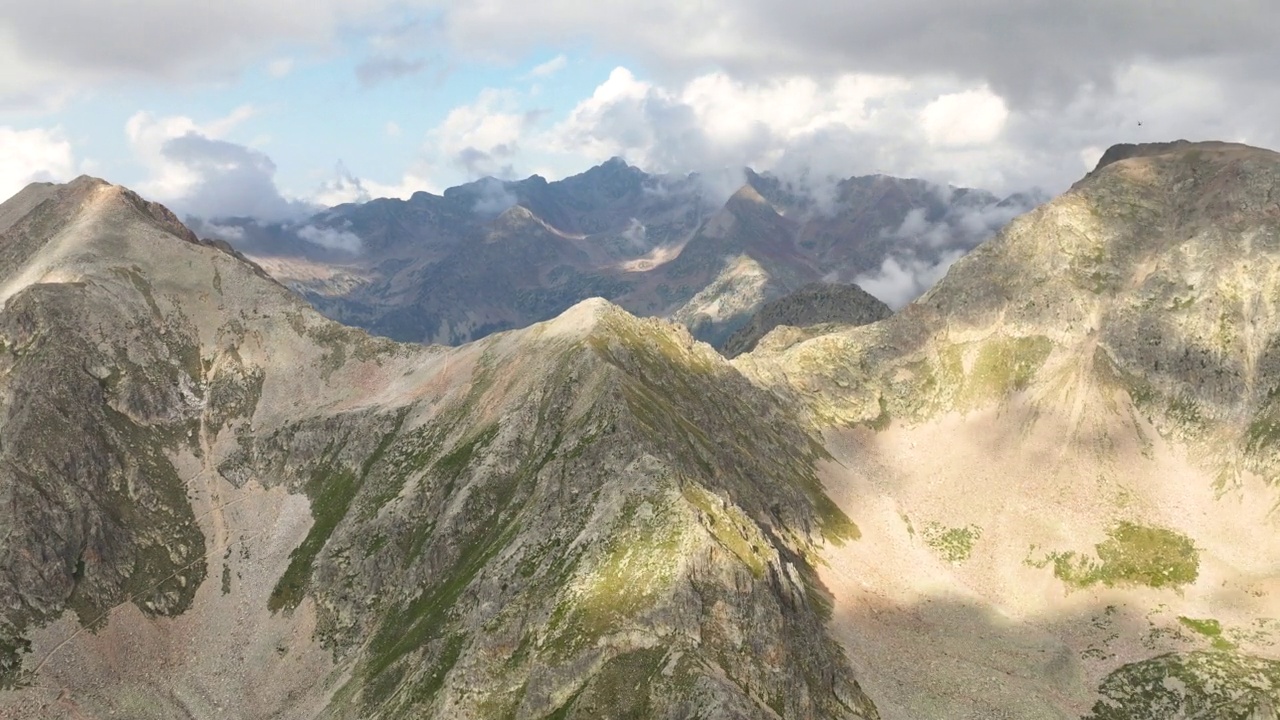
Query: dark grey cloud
pixel 378 69
pixel 495 163
pixel 1028 50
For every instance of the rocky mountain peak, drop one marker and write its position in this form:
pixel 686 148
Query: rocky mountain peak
pixel 748 194
pixel 349 527
pixel 1099 379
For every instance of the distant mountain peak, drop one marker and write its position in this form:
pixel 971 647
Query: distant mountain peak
pixel 748 193
pixel 516 214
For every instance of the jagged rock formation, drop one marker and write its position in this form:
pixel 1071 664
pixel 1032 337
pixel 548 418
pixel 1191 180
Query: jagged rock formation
pixel 218 503
pixel 815 304
pixel 492 255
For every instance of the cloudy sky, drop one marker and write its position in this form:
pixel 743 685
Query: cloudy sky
pixel 270 107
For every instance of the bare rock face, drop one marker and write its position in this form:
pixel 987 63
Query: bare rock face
pixel 251 511
pixel 814 304
pixel 1124 151
pixel 97 514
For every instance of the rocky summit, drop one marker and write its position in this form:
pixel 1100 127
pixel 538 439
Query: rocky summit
pixel 1044 489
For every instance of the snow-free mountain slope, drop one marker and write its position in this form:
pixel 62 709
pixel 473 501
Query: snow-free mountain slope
pixel 218 503
pixel 1063 452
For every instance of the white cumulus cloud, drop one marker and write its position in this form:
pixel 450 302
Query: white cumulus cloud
pixel 972 117
pixel 33 155
pixel 197 172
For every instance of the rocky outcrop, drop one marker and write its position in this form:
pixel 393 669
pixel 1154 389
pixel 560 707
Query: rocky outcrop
pixel 814 304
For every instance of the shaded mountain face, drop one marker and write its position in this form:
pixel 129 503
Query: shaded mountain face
pixel 1066 451
pixel 811 305
pixel 494 255
pixel 218 503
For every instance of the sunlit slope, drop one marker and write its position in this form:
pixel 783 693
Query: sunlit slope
pixel 1061 457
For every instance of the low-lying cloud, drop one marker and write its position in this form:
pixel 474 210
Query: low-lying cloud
pixel 343 188
pixel 635 234
pixel 331 238
pixel 904 276
pixel 230 233
pixel 925 249
pixel 494 198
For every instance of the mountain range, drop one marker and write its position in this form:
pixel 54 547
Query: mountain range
pixel 496 255
pixel 1043 489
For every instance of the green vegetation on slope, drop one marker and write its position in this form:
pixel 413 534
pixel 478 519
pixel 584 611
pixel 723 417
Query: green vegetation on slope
pixel 637 564
pixel 621 690
pixel 682 394
pixel 953 544
pixel 1209 628
pixel 331 488
pixel 948 376
pixel 1131 555
pixel 730 528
